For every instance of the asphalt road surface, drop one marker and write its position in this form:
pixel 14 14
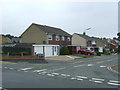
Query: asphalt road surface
pixel 93 72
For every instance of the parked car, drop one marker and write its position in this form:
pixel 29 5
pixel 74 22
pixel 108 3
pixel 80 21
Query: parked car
pixel 87 52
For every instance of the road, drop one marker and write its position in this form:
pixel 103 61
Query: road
pixel 93 72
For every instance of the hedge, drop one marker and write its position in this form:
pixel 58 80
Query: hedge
pixel 16 50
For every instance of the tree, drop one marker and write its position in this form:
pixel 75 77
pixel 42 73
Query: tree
pixel 118 34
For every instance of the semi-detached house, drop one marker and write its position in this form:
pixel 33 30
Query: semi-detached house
pixel 91 43
pixel 46 39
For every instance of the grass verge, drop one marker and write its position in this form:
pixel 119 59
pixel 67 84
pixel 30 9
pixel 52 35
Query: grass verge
pixel 82 55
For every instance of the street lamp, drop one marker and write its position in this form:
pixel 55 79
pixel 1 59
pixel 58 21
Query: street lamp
pixel 84 33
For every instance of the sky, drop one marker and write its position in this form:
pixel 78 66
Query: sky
pixel 73 16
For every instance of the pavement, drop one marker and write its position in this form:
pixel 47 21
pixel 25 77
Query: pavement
pixel 62 57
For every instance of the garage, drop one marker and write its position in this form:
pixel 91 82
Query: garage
pixel 47 50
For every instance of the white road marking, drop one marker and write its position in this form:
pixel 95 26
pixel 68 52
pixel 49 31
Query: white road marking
pixel 73 78
pixel 11 68
pixel 81 77
pixel 5 67
pixel 90 64
pixel 102 66
pixel 39 70
pixel 43 72
pixel 79 65
pixel 55 73
pixel 98 79
pixel 63 74
pixel 23 69
pixel 50 74
pixel 113 83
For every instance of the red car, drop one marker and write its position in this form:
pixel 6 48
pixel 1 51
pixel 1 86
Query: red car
pixel 87 52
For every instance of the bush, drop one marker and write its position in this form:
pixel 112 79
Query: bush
pixel 64 50
pixel 106 52
pixel 98 53
pixel 16 50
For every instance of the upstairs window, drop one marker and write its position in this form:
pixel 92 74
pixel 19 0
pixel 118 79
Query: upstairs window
pixel 57 38
pixel 93 42
pixel 63 38
pixel 68 38
pixel 49 37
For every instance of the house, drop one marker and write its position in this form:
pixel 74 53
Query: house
pixel 4 39
pixel 87 42
pixel 15 40
pixel 42 34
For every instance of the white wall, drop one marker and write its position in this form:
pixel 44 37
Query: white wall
pixel 50 50
pixel 100 49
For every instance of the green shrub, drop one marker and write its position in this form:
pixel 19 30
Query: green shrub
pixel 106 52
pixel 16 50
pixel 64 50
pixel 98 53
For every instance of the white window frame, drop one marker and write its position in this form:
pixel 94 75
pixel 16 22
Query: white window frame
pixel 57 38
pixel 68 38
pixel 63 38
pixel 93 42
pixel 49 37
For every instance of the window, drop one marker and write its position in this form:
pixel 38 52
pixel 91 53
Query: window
pixel 68 38
pixel 93 42
pixel 57 38
pixel 63 38
pixel 49 37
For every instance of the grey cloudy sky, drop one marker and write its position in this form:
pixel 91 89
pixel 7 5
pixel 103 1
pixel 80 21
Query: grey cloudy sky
pixel 71 16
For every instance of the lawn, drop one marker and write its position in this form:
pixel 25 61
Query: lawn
pixel 82 55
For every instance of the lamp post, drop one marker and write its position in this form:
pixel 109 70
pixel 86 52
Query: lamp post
pixel 84 33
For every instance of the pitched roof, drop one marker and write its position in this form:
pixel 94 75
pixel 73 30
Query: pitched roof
pixel 85 36
pixel 52 30
pixel 92 38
